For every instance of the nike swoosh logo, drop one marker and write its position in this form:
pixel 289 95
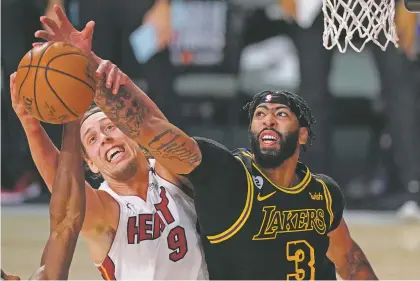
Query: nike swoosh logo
pixel 262 198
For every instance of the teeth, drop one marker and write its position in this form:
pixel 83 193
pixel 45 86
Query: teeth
pixel 113 152
pixel 269 138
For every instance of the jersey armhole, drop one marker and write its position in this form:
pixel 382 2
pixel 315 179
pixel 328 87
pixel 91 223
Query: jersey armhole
pixel 243 217
pixel 328 201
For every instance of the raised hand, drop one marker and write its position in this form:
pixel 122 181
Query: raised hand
pixel 113 75
pixel 28 122
pixel 65 31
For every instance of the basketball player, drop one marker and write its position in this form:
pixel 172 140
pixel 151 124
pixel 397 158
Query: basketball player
pixel 262 213
pixel 67 207
pixel 139 224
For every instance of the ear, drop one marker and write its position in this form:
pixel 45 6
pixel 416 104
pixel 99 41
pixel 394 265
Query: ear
pixel 303 135
pixel 92 166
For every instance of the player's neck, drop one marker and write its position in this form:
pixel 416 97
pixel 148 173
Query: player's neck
pixel 136 185
pixel 284 175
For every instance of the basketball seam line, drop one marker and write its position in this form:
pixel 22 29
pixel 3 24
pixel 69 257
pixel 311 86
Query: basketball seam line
pixel 71 53
pixel 26 75
pixel 56 95
pixel 61 72
pixel 36 74
pixel 47 67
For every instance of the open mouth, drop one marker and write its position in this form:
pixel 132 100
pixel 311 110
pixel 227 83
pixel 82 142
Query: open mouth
pixel 115 153
pixel 269 137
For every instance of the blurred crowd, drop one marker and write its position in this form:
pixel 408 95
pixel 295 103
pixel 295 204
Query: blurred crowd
pixel 200 60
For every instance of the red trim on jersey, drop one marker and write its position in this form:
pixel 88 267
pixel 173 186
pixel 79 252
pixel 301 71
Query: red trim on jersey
pixel 107 269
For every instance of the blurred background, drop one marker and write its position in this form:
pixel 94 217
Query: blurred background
pixel 201 61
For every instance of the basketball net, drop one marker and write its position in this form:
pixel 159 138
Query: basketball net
pixel 367 20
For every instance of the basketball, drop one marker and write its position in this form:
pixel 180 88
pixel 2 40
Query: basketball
pixel 55 82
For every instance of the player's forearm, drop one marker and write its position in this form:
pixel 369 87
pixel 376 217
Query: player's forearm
pixel 356 266
pixel 67 206
pixel 59 254
pixel 44 153
pixel 133 112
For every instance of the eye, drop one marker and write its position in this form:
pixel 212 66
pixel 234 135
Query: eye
pixel 92 140
pixel 259 113
pixel 282 114
pixel 109 127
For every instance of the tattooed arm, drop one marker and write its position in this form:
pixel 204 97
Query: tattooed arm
pixel 130 109
pixel 133 112
pixel 350 261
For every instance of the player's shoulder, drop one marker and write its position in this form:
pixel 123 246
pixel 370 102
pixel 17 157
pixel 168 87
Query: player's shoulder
pixel 326 179
pixel 215 153
pixel 241 152
pixel 337 199
pixel 330 183
pixel 205 143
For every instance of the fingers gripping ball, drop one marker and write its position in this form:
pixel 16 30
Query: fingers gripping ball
pixel 55 82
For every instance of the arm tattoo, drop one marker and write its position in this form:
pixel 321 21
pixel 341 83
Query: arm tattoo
pixel 144 151
pixel 126 110
pixel 357 266
pixel 169 145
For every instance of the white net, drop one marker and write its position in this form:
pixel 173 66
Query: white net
pixel 356 22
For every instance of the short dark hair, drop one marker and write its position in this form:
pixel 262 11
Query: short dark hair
pixel 296 103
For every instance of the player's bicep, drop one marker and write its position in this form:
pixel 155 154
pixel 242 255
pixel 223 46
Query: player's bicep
pixel 340 243
pixel 349 259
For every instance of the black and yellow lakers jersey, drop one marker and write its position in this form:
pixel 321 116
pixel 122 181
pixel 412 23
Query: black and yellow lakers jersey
pixel 281 233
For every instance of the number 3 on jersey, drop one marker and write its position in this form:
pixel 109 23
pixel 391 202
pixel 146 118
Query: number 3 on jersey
pixel 303 255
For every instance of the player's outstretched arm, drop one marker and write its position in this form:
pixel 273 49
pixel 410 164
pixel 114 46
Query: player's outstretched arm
pixel 133 112
pixel 44 152
pixel 350 261
pixel 129 108
pixel 46 157
pixel 67 207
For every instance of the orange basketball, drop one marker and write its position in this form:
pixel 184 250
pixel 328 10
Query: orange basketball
pixel 55 82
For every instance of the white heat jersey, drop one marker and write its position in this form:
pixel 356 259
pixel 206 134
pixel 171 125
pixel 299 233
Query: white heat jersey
pixel 156 239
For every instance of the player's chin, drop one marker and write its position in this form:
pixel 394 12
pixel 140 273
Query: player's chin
pixel 272 151
pixel 125 170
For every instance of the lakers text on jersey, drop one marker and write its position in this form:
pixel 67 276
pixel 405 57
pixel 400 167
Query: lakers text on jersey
pixel 282 233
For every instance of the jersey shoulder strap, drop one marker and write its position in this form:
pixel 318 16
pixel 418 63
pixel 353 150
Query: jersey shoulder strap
pixel 245 156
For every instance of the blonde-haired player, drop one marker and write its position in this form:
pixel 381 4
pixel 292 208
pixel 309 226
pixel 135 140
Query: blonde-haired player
pixel 139 224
